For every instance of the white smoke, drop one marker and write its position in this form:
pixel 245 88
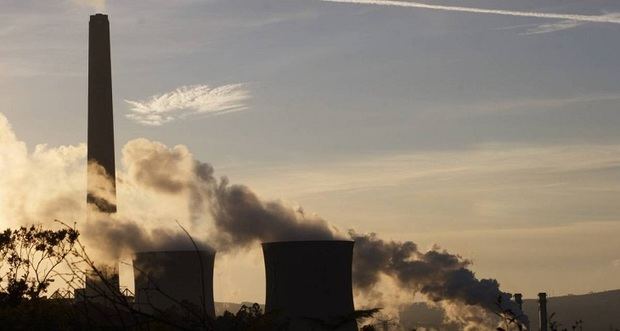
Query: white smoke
pixel 470 318
pixel 50 183
pixel 43 183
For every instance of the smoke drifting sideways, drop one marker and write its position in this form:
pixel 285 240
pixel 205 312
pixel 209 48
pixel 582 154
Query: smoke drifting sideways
pixel 242 219
pixel 158 184
pixel 440 276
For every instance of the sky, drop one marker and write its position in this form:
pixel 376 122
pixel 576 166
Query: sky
pixel 492 134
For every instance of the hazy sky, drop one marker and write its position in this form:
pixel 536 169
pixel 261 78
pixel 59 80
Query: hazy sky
pixel 494 136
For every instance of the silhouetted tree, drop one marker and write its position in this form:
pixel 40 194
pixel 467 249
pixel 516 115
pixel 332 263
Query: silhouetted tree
pixel 29 258
pixel 32 258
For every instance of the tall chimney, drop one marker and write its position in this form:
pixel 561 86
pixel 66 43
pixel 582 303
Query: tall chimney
pixel 100 193
pixel 542 311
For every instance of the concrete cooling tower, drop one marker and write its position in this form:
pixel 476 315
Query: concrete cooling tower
pixel 309 284
pixel 174 280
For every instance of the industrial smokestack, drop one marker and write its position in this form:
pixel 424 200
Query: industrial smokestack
pixel 309 284
pixel 519 300
pixel 174 279
pixel 100 117
pixel 542 311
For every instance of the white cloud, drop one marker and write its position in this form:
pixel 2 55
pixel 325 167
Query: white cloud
pixel 189 100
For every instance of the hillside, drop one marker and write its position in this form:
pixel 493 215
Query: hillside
pixel 599 311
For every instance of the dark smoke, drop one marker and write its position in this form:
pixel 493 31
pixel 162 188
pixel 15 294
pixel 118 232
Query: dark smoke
pixel 241 219
pixel 113 237
pixel 402 260
pixel 437 274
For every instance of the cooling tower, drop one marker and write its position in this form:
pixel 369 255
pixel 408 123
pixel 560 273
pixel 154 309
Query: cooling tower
pixel 174 280
pixel 100 117
pixel 309 284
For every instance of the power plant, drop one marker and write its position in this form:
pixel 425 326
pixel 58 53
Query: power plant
pixel 182 279
pixel 309 284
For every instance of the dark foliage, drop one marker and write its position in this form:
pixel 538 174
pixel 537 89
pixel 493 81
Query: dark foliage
pixel 29 258
pixel 32 258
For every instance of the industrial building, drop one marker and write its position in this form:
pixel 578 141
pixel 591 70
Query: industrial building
pixel 174 279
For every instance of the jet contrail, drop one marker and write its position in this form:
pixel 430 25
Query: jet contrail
pixel 609 18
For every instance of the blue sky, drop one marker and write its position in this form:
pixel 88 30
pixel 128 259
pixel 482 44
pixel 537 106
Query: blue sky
pixel 437 126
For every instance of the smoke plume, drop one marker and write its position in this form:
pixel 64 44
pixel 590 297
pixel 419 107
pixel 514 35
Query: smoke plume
pixel 50 183
pixel 438 275
pixel 159 184
pixel 241 219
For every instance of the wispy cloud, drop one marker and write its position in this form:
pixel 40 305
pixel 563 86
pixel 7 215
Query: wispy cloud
pixel 489 186
pixel 553 27
pixel 606 18
pixel 189 100
pixel 535 104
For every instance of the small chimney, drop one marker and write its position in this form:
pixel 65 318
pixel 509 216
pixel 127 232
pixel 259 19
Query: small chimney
pixel 519 300
pixel 542 311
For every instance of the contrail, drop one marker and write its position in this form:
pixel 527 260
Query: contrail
pixel 609 18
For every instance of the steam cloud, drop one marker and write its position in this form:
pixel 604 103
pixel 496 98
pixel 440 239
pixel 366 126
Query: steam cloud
pixel 176 181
